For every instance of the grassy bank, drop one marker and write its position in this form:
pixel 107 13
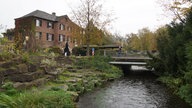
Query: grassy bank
pixel 79 76
pixel 178 86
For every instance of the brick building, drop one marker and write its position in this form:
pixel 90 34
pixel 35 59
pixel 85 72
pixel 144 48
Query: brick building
pixel 49 29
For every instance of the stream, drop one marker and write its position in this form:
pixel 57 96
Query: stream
pixel 136 90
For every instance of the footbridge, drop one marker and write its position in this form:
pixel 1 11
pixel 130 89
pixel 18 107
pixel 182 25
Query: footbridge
pixel 126 61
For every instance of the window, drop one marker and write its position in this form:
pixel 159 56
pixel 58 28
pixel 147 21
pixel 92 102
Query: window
pixel 68 28
pixel 50 25
pixel 38 23
pixel 38 35
pixel 61 38
pixel 50 37
pixel 62 27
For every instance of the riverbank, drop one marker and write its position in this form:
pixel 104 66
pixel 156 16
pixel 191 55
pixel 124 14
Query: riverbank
pixel 76 76
pixel 178 87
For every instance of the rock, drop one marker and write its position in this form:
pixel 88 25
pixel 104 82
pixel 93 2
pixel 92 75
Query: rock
pixel 85 81
pixel 71 81
pixel 19 85
pixel 72 70
pixel 39 82
pixel 64 87
pixel 50 77
pixel 69 67
pixel 26 77
pixel 79 76
pixel 22 68
pixel 53 73
pixel 27 85
pixel 32 67
pixel 10 71
pixel 6 64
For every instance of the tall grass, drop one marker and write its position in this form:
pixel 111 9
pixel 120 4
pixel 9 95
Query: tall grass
pixel 38 99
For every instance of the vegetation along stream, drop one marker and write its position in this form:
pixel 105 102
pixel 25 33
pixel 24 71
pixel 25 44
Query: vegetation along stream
pixel 139 90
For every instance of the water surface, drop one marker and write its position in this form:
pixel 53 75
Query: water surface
pixel 133 91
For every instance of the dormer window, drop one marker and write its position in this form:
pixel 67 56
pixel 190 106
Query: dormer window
pixel 50 25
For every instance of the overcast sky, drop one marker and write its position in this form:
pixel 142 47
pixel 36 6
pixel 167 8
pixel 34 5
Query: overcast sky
pixel 131 15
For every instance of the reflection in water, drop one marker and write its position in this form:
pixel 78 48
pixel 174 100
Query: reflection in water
pixel 133 91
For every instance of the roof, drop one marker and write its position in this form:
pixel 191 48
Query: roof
pixel 43 15
pixel 102 47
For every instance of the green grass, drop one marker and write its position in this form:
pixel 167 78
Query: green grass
pixel 38 99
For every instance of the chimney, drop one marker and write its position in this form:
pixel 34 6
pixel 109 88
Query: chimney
pixel 53 13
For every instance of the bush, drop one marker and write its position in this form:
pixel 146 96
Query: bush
pixel 5 55
pixel 79 51
pixel 56 50
pixel 186 93
pixel 173 83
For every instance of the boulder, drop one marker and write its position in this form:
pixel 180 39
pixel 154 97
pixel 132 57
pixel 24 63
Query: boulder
pixel 32 67
pixel 72 70
pixel 22 68
pixel 6 64
pixel 10 71
pixel 26 77
pixel 38 82
pixel 28 85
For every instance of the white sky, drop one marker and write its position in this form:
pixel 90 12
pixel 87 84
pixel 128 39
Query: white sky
pixel 131 15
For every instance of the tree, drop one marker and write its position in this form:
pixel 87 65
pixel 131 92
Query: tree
pixel 90 15
pixel 9 34
pixel 133 42
pixel 177 8
pixel 143 40
pixel 108 38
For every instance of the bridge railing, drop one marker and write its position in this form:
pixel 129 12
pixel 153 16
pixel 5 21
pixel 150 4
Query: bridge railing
pixel 125 54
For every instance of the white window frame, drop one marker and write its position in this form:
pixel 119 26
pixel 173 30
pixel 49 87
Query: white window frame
pixel 50 25
pixel 49 37
pixel 62 27
pixel 38 35
pixel 61 38
pixel 38 23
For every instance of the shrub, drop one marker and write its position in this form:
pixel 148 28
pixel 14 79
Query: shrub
pixel 79 51
pixel 5 55
pixel 49 62
pixel 171 82
pixel 56 50
pixel 185 93
pixel 26 58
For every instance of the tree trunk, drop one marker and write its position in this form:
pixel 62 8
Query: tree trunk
pixel 88 49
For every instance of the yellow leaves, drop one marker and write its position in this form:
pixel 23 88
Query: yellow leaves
pixel 177 9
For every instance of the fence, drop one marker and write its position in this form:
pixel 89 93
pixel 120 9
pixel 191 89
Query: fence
pixel 124 54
